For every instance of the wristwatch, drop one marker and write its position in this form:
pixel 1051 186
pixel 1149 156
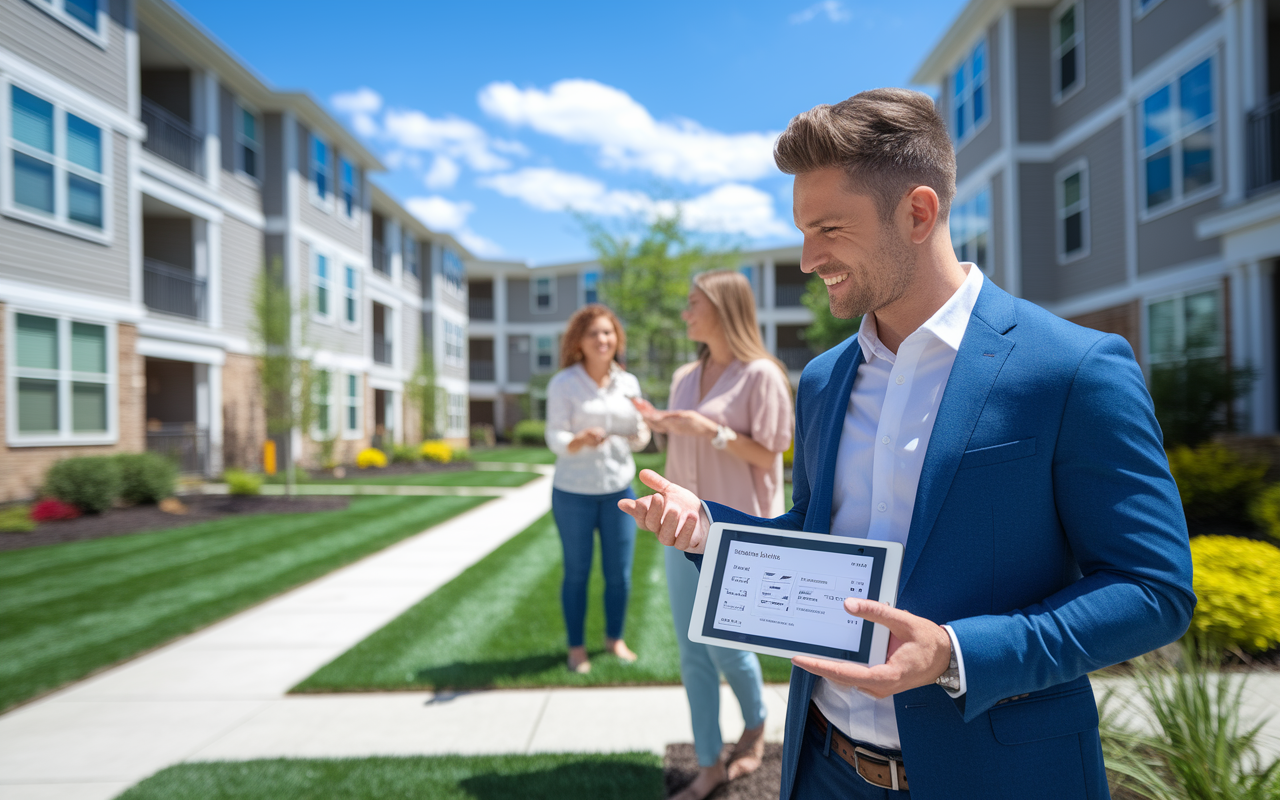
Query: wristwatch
pixel 950 680
pixel 723 437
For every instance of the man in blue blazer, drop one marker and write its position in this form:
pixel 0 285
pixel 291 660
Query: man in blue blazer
pixel 1015 455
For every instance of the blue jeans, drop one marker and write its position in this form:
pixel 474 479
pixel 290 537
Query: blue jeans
pixel 701 665
pixel 578 516
pixel 822 773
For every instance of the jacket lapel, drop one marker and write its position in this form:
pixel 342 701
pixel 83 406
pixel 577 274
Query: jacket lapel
pixel 831 411
pixel 982 354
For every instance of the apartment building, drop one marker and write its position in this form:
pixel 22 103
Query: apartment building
pixel 1117 164
pixel 146 178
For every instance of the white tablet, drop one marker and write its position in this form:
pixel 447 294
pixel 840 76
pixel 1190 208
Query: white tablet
pixel 782 593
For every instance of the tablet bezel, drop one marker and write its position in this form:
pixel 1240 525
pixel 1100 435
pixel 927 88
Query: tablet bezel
pixel 891 560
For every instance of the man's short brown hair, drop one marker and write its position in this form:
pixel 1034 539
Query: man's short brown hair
pixel 888 141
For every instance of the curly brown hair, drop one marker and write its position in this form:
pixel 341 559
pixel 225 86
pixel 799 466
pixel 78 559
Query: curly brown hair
pixel 571 341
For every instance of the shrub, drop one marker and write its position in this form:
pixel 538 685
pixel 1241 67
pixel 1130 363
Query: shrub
pixel 1265 510
pixel 146 477
pixel 91 483
pixel 437 451
pixel 17 519
pixel 49 509
pixel 240 482
pixel 483 436
pixel 404 453
pixel 530 431
pixel 1215 483
pixel 1237 582
pixel 461 454
pixel 371 457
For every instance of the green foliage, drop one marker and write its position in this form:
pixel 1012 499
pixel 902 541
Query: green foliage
pixel 461 454
pixel 1193 400
pixel 1265 511
pixel 90 483
pixel 1237 584
pixel 529 432
pixel 241 482
pixel 422 392
pixel 404 454
pixel 826 331
pixel 16 519
pixel 1216 485
pixel 146 477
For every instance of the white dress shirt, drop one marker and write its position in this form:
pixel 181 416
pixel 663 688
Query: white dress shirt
pixel 576 402
pixel 886 432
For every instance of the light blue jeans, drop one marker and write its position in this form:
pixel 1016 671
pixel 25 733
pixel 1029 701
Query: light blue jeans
pixel 701 666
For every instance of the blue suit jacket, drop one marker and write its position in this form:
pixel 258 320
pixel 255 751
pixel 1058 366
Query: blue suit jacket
pixel 1047 531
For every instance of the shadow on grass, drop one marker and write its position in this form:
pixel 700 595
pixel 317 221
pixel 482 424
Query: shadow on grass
pixel 483 674
pixel 614 778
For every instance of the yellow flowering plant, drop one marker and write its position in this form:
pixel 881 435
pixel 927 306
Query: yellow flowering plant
pixel 436 451
pixel 371 457
pixel 1237 583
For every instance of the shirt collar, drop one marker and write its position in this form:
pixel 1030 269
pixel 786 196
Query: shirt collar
pixel 947 324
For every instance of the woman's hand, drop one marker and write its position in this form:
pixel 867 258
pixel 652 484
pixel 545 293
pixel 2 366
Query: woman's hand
pixel 689 423
pixel 655 419
pixel 591 437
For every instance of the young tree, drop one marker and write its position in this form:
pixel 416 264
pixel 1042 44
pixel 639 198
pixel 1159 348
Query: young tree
pixel 826 331
pixel 422 391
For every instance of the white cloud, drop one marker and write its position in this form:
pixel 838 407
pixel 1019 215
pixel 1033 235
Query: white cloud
pixel 443 173
pixel 478 245
pixel 626 134
pixel 834 9
pixel 360 105
pixel 730 208
pixel 454 137
pixel 443 214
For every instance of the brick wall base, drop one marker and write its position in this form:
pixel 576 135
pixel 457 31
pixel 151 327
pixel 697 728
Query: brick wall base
pixel 244 423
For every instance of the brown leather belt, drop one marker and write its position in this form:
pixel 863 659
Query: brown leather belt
pixel 875 768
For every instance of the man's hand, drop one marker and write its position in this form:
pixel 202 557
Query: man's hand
pixel 919 652
pixel 673 513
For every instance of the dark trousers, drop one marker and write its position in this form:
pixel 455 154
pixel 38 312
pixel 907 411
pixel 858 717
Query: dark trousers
pixel 823 774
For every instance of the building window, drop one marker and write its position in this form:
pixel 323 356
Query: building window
pixel 1141 7
pixel 81 15
pixel 971 229
pixel 321 168
pixel 321 391
pixel 1178 138
pixel 457 415
pixel 1073 211
pixel 451 266
pixel 63 380
pixel 322 281
pixel 544 354
pixel 59 164
pixel 410 249
pixel 248 145
pixel 591 287
pixel 543 296
pixel 347 174
pixel 454 344
pixel 969 92
pixel 350 294
pixel 353 405
pixel 1068 50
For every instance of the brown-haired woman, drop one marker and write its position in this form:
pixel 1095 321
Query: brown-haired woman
pixel 593 429
pixel 730 419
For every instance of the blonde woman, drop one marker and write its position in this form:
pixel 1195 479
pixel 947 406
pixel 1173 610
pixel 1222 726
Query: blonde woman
pixel 729 419
pixel 593 429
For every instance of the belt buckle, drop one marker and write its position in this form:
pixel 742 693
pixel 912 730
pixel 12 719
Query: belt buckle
pixel 892 762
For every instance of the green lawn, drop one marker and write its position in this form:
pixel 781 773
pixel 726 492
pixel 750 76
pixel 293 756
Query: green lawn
pixel 462 478
pixel 68 610
pixel 514 455
pixel 625 776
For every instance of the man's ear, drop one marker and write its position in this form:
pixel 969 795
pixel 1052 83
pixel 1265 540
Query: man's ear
pixel 922 203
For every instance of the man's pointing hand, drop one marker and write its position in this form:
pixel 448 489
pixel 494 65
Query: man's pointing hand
pixel 672 512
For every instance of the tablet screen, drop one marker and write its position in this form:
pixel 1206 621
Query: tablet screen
pixel 771 593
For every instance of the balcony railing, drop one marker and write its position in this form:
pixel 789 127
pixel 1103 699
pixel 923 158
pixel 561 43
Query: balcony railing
pixel 172 290
pixel 481 370
pixel 787 295
pixel 480 307
pixel 381 349
pixel 171 137
pixel 186 445
pixel 1263 146
pixel 795 357
pixel 381 258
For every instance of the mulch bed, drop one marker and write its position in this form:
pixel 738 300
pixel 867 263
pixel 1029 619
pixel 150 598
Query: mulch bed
pixel 136 519
pixel 680 766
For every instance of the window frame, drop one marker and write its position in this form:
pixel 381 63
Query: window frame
pixel 1061 212
pixel 591 273
pixel 58 10
pixel 460 429
pixel 324 200
pixel 535 353
pixel 326 401
pixel 326 282
pixel 533 295
pixel 1178 199
pixel 240 139
pixel 65 378
pixel 410 254
pixel 1056 49
pixel 60 219
pixel 975 125
pixel 353 402
pixel 341 189
pixel 1149 358
pixel 960 205
pixel 455 344
pixel 350 296
pixel 457 288
pixel 1141 9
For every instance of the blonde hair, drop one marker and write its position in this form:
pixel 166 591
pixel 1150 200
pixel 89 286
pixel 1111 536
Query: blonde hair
pixel 571 342
pixel 735 304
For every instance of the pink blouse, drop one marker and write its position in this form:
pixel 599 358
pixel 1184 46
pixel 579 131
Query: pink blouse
pixel 754 400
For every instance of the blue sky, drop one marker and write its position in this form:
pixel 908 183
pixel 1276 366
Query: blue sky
pixel 498 120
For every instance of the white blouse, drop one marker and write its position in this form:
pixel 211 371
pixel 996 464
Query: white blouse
pixel 575 402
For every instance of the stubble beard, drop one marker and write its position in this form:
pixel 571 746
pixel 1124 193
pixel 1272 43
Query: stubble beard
pixel 877 284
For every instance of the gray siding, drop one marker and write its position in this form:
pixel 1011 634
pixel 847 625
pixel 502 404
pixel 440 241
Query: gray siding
pixel 329 223
pixel 242 189
pixel 1035 91
pixel 1171 240
pixel 1036 226
pixel 1101 63
pixel 1105 264
pixel 226 128
pixel 272 247
pixel 274 170
pixel 998 269
pixel 986 141
pixel 36 254
pixel 51 45
pixel 1164 26
pixel 243 256
pixel 519 364
pixel 519 309
pixel 410 336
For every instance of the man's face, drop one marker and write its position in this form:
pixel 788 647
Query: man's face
pixel 866 263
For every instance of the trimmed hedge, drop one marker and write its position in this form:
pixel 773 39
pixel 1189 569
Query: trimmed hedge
pixel 146 477
pixel 530 432
pixel 1216 485
pixel 91 483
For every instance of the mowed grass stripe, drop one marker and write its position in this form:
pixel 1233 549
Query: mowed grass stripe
pixel 463 478
pixel 68 610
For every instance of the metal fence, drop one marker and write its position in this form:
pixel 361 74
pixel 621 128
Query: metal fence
pixel 186 445
pixel 480 307
pixel 481 370
pixel 1263 145
pixel 381 258
pixel 172 290
pixel 171 137
pixel 787 295
pixel 795 357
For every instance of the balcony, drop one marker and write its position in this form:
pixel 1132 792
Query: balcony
pixel 172 290
pixel 381 259
pixel 1262 149
pixel 381 350
pixel 481 371
pixel 787 295
pixel 171 137
pixel 796 358
pixel 185 445
pixel 480 307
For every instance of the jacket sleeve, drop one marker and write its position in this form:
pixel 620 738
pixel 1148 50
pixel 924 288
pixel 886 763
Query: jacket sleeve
pixel 1122 516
